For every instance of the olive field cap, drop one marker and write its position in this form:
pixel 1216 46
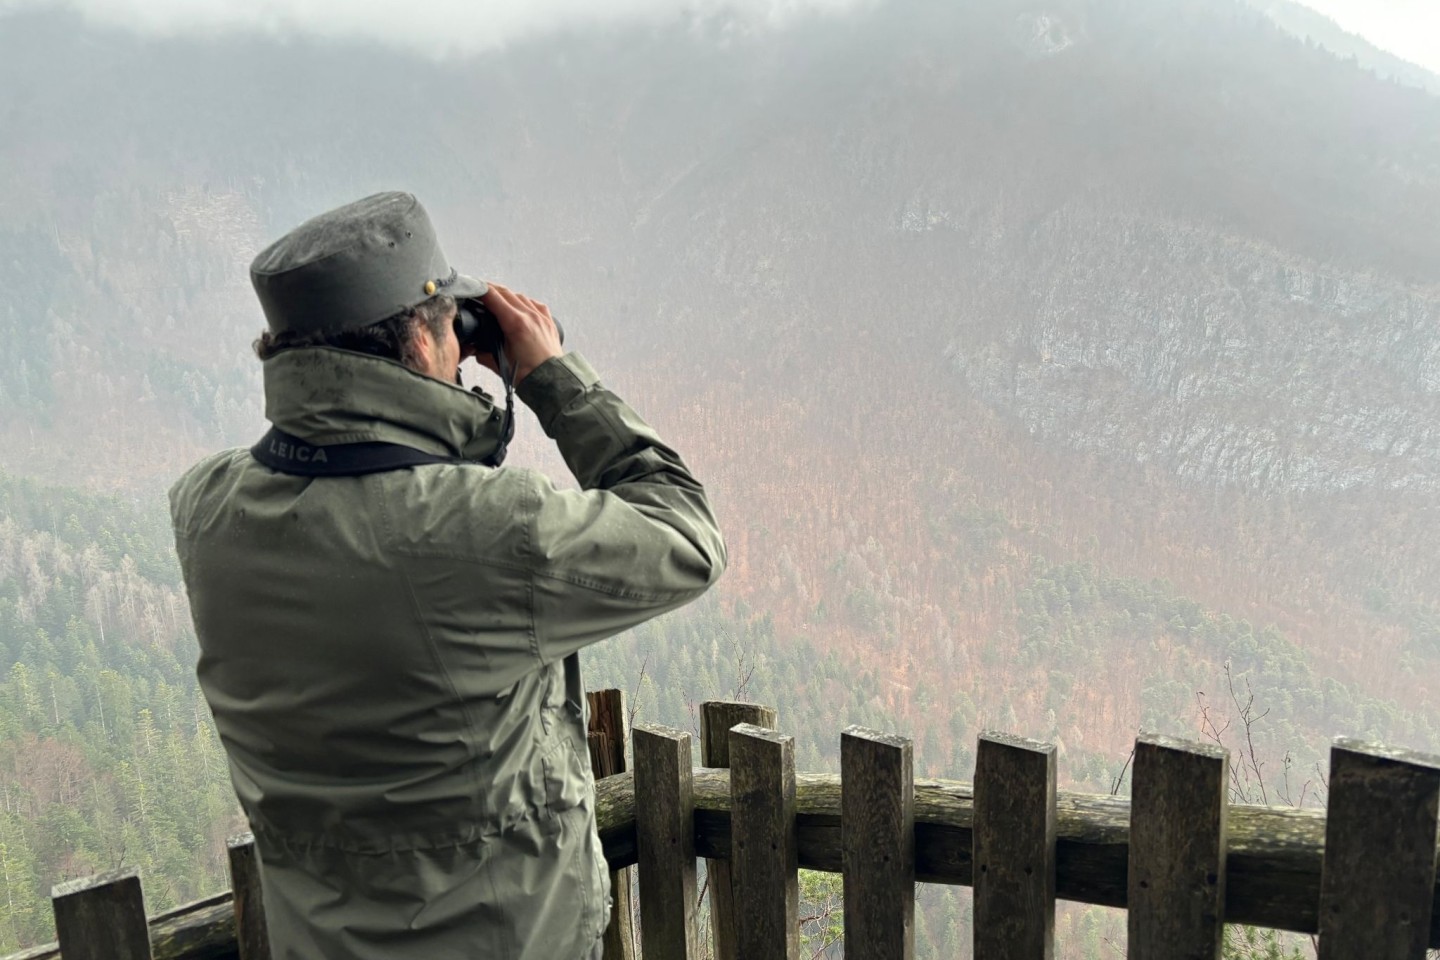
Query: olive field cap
pixel 354 266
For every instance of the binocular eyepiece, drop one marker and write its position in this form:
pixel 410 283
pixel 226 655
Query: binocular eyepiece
pixel 475 327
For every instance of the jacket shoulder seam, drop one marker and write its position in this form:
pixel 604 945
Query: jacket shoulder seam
pixel 622 593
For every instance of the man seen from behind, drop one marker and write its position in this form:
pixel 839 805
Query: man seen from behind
pixel 389 620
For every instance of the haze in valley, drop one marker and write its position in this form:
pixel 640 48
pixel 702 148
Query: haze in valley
pixel 1055 364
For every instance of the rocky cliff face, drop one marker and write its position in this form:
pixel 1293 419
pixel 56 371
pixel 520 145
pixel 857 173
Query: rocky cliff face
pixel 1224 361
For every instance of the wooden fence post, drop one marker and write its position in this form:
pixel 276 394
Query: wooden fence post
pixel 1015 826
pixel 607 758
pixel 102 918
pixel 665 835
pixel 1176 897
pixel 1377 882
pixel 877 825
pixel 716 719
pixel 251 934
pixel 764 856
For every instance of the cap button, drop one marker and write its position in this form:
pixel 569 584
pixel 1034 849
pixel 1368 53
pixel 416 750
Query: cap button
pixel 430 288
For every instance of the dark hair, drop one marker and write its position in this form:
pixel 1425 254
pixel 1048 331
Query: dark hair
pixel 394 338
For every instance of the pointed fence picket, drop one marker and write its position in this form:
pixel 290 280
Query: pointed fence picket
pixel 1183 861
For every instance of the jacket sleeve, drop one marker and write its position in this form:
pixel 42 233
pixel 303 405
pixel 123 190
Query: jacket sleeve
pixel 637 540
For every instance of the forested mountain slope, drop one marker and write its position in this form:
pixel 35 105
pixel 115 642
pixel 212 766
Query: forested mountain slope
pixel 1043 357
pixel 107 753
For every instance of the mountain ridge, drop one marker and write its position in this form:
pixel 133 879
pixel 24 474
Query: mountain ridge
pixel 1044 359
pixel 1302 21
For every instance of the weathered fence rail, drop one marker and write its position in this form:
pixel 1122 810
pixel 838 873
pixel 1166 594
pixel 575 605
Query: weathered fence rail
pixel 1177 856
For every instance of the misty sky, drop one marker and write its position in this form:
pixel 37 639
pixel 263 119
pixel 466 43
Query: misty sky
pixel 1409 28
pixel 439 26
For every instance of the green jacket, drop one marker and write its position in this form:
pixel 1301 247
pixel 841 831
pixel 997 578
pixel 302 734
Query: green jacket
pixel 389 658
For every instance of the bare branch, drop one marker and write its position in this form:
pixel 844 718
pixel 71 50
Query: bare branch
pixel 635 693
pixel 1120 780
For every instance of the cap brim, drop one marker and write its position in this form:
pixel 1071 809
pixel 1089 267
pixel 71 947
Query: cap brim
pixel 465 287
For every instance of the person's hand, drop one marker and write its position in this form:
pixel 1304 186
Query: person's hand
pixel 530 334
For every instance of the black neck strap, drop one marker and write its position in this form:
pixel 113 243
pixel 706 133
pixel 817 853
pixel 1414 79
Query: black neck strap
pixel 287 453
pixel 507 430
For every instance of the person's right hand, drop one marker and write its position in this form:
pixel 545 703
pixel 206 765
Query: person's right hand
pixel 531 337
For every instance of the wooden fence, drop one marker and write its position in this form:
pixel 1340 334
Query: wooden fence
pixel 1176 855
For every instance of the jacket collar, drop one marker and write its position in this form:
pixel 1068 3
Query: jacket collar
pixel 327 396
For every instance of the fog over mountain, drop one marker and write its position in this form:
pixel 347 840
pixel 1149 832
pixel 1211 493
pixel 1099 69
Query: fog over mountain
pixel 1145 225
pixel 431 28
pixel 1408 29
pixel 1315 27
pixel 1046 357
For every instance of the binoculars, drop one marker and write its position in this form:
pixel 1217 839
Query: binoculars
pixel 475 327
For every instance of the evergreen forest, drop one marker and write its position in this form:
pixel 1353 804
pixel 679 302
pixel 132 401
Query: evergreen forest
pixel 1066 368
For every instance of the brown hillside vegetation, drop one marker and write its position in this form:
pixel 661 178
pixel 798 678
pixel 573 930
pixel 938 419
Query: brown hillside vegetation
pixel 1045 359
